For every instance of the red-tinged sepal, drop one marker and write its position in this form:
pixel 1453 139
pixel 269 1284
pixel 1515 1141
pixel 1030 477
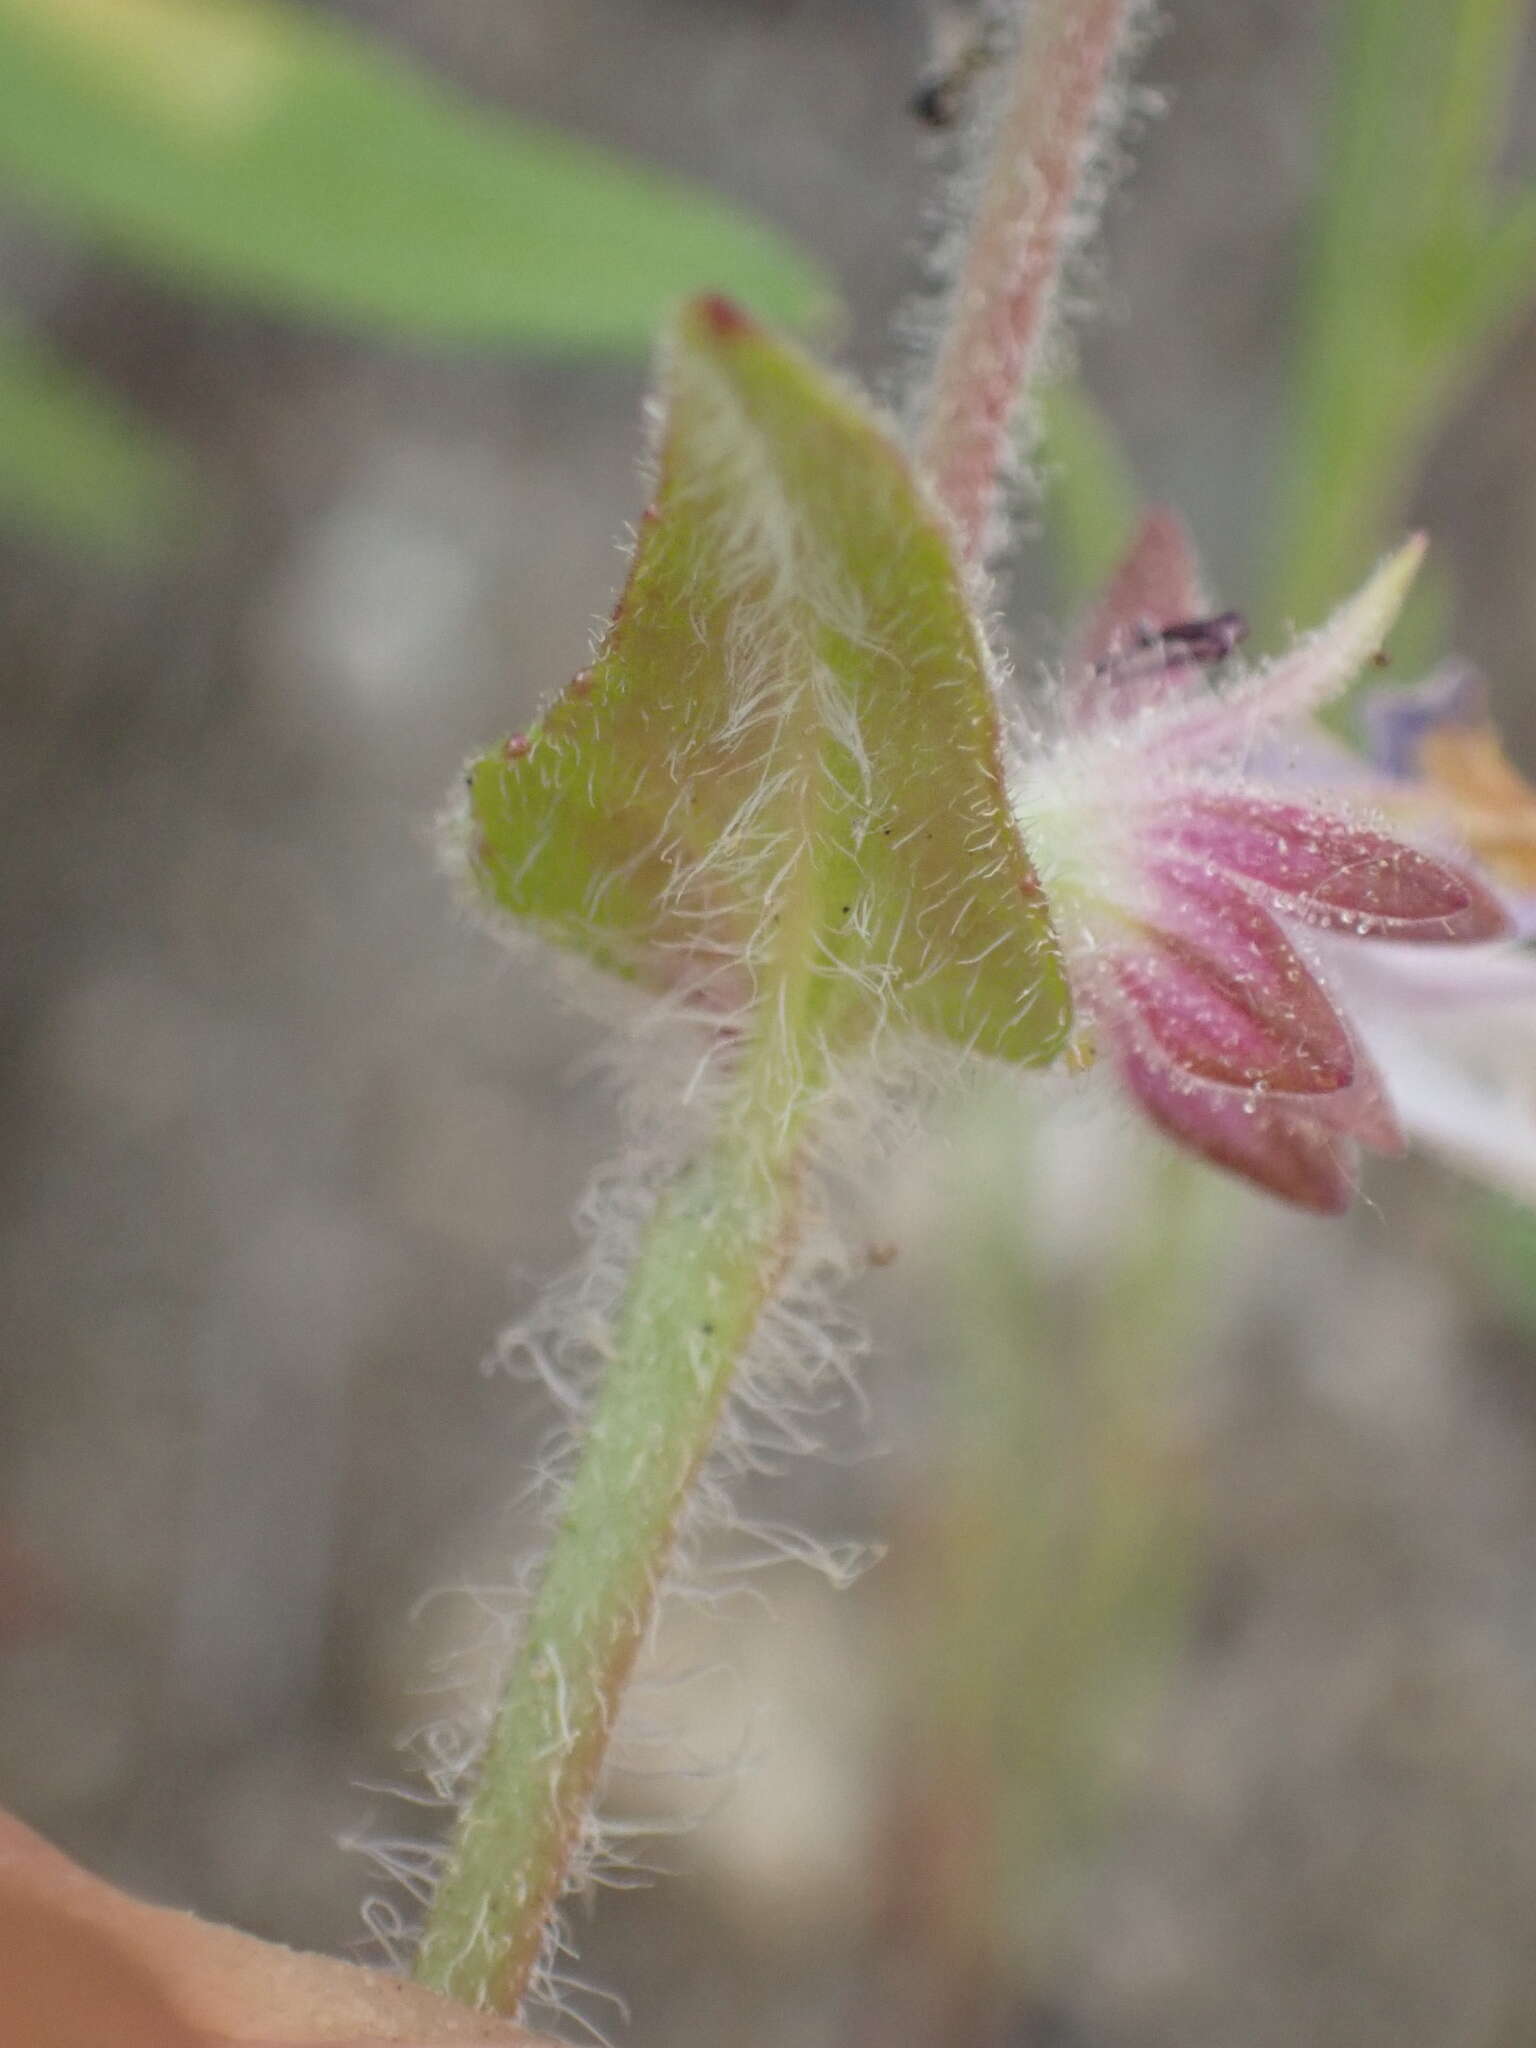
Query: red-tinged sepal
pixel 1266 1140
pixel 1327 870
pixel 1363 1111
pixel 1216 986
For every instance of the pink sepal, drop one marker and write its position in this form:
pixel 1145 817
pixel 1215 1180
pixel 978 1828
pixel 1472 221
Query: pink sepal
pixel 1266 1140
pixel 1328 871
pixel 1363 1111
pixel 1217 987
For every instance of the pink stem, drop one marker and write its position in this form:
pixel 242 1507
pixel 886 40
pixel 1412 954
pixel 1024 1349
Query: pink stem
pixel 1000 312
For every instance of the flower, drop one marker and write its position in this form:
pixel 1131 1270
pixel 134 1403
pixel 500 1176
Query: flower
pixel 1195 881
pixel 1454 1033
pixel 1441 755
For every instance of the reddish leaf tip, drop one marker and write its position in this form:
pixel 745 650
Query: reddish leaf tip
pixel 721 317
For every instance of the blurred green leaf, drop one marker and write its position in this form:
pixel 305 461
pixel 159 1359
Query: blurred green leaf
pixel 783 766
pixel 1093 496
pixel 1502 1235
pixel 274 155
pixel 1062 1519
pixel 1416 261
pixel 73 463
pixel 1503 274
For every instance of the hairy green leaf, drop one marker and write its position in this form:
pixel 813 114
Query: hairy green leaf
pixel 783 768
pixel 250 147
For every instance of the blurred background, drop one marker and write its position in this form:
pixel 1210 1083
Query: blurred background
pixel 1194 1701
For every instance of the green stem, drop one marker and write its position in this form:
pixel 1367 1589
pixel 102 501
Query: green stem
pixel 724 1229
pixel 717 1243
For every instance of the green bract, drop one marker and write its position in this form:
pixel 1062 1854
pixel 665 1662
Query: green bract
pixel 266 151
pixel 783 768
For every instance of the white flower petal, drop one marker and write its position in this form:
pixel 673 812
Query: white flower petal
pixel 1473 1124
pixel 1439 980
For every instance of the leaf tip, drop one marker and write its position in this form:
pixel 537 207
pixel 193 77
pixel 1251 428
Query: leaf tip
pixel 1386 592
pixel 717 318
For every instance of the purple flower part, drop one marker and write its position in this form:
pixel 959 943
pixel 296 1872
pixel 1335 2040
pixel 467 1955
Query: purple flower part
pixel 1179 883
pixel 1397 721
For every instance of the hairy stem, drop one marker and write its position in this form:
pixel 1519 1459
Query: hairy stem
pixel 716 1246
pixel 724 1229
pixel 999 319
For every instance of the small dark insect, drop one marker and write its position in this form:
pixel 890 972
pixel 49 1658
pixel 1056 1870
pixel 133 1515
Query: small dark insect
pixel 961 53
pixel 1205 640
pixel 1198 643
